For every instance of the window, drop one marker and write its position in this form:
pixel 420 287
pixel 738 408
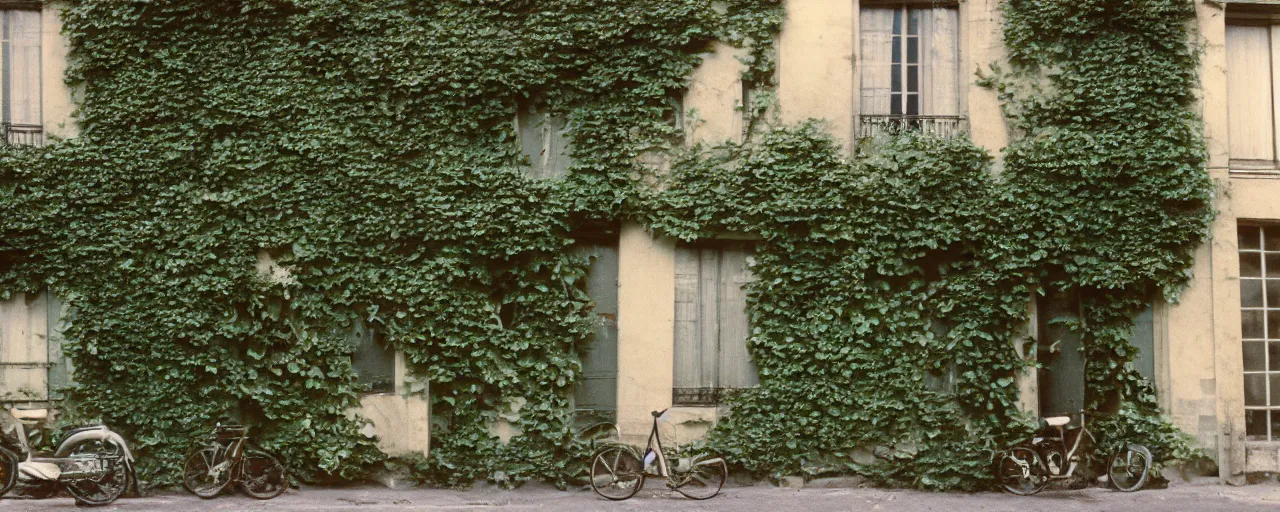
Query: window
pixel 544 139
pixel 374 362
pixel 1251 121
pixel 910 68
pixel 1260 329
pixel 711 324
pixel 20 77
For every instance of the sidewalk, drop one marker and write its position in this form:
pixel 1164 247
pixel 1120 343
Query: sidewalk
pixel 1185 497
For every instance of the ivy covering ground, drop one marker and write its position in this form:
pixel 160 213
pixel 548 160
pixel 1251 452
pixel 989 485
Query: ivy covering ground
pixel 369 148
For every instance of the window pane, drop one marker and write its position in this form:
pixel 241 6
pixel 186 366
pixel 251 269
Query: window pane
pixel 1275 386
pixel 1275 425
pixel 1255 425
pixel 1254 358
pixel 1251 293
pixel 1273 324
pixel 1272 265
pixel 913 104
pixel 1255 389
pixel 913 78
pixel 1273 292
pixel 1247 237
pixel 1272 238
pixel 913 50
pixel 897 50
pixel 897 21
pixel 1273 356
pixel 1250 264
pixel 895 104
pixel 895 81
pixel 1251 325
pixel 914 27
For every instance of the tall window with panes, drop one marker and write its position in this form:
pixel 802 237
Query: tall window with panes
pixel 1260 329
pixel 909 55
pixel 20 76
pixel 1253 89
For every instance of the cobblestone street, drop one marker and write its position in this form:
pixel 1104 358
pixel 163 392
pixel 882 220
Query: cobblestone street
pixel 1186 497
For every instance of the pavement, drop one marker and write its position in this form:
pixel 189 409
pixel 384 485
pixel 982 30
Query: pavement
pixel 1203 497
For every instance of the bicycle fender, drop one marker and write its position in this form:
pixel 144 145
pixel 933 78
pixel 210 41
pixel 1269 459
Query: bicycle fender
pixel 64 448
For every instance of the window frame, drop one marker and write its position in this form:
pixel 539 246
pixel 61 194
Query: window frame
pixel 1270 409
pixel 1257 15
pixel 10 132
pixel 710 396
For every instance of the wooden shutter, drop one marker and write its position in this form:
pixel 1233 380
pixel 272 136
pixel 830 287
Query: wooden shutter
pixel 1249 90
pixel 736 368
pixel 24 354
pixel 544 139
pixel 711 319
pixel 940 62
pixel 876 58
pixel 23 61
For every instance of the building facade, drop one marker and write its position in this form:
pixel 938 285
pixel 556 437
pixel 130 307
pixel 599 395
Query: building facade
pixel 672 326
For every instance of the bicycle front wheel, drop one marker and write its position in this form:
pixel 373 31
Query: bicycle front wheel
pixel 206 472
pixel 1129 467
pixel 703 479
pixel 616 472
pixel 8 470
pixel 262 476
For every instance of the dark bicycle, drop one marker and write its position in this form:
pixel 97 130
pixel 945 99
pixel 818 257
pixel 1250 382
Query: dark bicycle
pixel 1027 468
pixel 229 458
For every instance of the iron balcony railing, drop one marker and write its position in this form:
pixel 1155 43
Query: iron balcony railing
pixel 23 134
pixel 702 396
pixel 946 127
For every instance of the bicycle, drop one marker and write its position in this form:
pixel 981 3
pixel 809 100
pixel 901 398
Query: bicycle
pixel 230 458
pixel 618 473
pixel 1027 468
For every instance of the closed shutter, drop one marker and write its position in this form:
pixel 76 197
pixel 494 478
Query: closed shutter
pixel 544 139
pixel 1249 108
pixel 711 323
pixel 24 353
pixel 23 62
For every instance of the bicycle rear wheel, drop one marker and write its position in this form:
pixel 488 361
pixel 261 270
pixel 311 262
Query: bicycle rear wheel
pixel 703 479
pixel 1129 467
pixel 206 472
pixel 106 487
pixel 262 476
pixel 616 472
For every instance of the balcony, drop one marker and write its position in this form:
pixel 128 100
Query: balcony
pixel 23 134
pixel 945 127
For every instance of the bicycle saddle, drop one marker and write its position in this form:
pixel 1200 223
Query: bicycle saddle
pixel 1057 421
pixel 658 413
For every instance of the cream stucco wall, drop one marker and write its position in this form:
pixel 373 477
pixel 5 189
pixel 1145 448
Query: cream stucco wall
pixel 815 65
pixel 56 104
pixel 646 328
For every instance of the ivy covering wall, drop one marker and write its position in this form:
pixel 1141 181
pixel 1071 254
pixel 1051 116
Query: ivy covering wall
pixel 369 148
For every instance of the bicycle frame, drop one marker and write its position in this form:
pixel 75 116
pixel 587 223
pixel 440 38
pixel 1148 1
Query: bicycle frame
pixel 1070 462
pixel 655 438
pixel 230 448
